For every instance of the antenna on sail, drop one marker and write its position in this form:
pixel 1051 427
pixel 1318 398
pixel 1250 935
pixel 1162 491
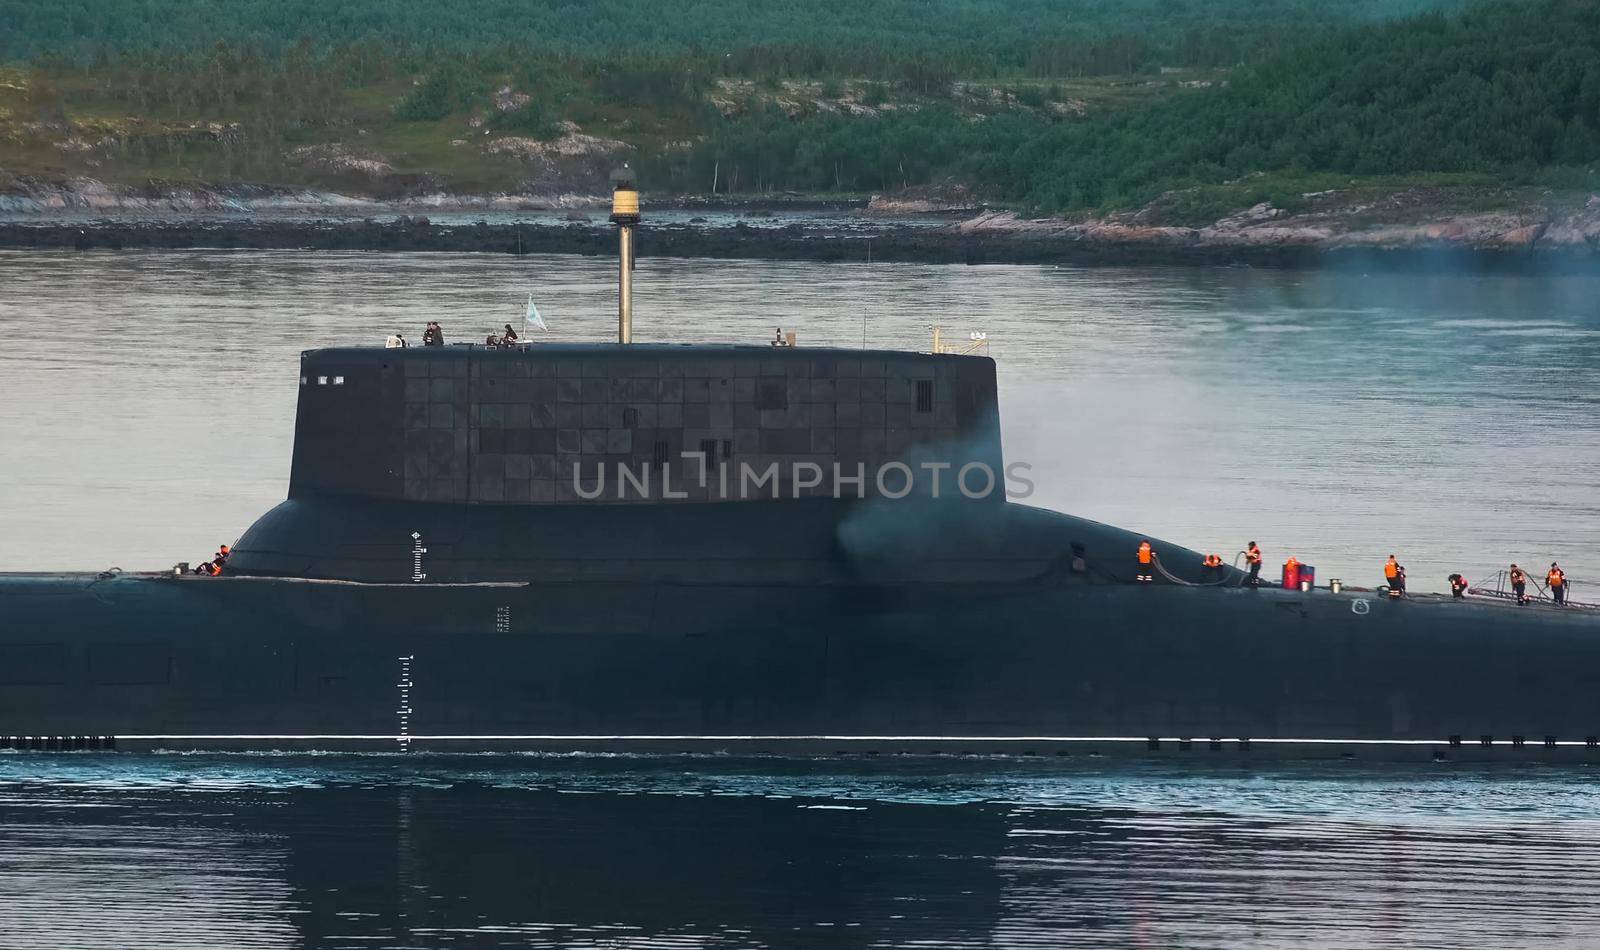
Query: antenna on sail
pixel 625 215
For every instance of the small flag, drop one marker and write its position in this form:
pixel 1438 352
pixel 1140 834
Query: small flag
pixel 532 319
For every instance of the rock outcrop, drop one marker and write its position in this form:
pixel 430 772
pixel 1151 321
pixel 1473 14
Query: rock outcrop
pixel 33 197
pixel 1528 230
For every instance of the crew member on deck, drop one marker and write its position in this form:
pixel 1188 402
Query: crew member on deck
pixel 1252 557
pixel 1211 567
pixel 433 335
pixel 1147 556
pixel 508 338
pixel 1458 586
pixel 1394 576
pixel 1557 579
pixel 1519 584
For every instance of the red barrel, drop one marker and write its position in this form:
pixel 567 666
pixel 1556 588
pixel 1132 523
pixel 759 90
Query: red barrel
pixel 1291 575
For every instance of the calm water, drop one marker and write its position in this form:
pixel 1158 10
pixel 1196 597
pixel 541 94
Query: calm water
pixel 147 398
pixel 146 406
pixel 522 851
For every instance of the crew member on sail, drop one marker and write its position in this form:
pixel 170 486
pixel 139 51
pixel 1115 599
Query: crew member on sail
pixel 1557 579
pixel 1519 584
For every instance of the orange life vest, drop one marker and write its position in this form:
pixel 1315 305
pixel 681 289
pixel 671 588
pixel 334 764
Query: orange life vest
pixel 1253 556
pixel 1213 560
pixel 1555 578
pixel 1391 570
pixel 1517 577
pixel 1144 552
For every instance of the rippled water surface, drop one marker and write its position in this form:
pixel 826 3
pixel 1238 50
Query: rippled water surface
pixel 529 851
pixel 147 398
pixel 146 408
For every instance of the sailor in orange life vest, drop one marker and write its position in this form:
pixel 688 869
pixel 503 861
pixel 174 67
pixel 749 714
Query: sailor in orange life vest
pixel 1211 567
pixel 1557 579
pixel 1146 557
pixel 1394 576
pixel 1252 557
pixel 1458 586
pixel 1519 584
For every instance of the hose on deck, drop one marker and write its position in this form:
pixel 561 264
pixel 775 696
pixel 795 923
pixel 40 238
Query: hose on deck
pixel 1155 559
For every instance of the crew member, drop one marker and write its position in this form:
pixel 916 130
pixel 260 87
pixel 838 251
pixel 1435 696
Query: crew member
pixel 1557 579
pixel 1252 557
pixel 1147 556
pixel 222 555
pixel 509 337
pixel 1458 586
pixel 433 335
pixel 1519 584
pixel 1393 577
pixel 1211 567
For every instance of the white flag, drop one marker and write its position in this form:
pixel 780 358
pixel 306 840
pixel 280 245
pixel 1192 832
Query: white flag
pixel 532 318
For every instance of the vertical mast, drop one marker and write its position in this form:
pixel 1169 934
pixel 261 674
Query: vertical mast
pixel 625 215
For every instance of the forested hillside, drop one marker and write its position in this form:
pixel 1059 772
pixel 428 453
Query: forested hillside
pixel 967 38
pixel 1049 105
pixel 1508 89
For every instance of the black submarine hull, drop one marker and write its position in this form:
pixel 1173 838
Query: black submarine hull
pixel 439 577
pixel 164 662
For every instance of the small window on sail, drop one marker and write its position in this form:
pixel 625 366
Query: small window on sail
pixel 338 380
pixel 924 395
pixel 322 380
pixel 659 454
pixel 708 448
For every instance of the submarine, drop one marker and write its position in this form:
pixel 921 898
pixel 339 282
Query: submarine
pixel 648 548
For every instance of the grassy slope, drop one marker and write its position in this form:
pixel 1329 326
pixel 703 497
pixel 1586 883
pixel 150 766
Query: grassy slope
pixel 422 153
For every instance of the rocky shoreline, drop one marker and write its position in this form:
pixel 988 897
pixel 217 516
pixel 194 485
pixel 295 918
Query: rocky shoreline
pixel 254 217
pixel 955 245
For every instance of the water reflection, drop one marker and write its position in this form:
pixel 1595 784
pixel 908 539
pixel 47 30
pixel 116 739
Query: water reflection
pixel 481 851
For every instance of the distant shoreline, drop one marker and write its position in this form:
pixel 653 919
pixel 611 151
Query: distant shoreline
pixel 797 242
